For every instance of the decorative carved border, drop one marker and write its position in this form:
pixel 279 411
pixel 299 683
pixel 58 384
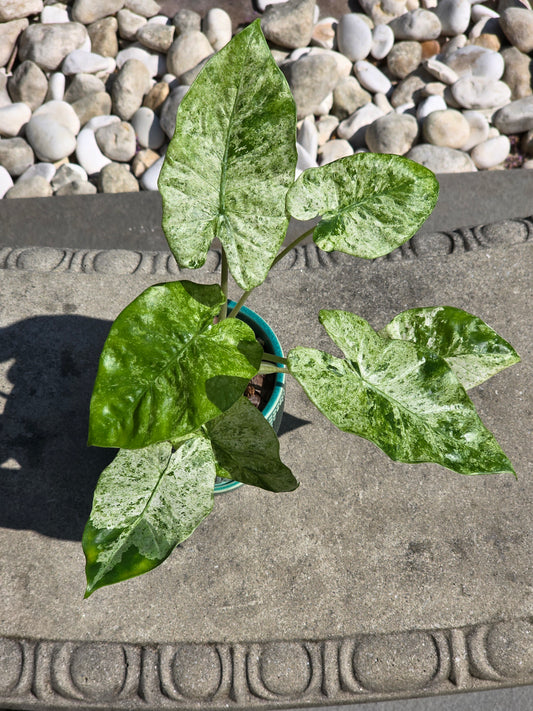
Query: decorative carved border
pixel 91 675
pixel 149 263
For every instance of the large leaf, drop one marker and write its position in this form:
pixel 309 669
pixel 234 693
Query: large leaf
pixel 403 398
pixel 370 203
pixel 246 449
pixel 231 161
pixel 146 502
pixel 165 368
pixel 473 350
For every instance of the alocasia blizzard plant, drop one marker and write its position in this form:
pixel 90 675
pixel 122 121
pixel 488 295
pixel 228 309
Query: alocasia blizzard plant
pixel 170 384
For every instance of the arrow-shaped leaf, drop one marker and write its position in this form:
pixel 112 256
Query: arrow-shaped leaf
pixel 473 350
pixel 403 398
pixel 165 368
pixel 231 161
pixel 370 203
pixel 246 449
pixel 146 502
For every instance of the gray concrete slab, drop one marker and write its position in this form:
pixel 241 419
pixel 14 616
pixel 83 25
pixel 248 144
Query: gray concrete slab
pixel 373 581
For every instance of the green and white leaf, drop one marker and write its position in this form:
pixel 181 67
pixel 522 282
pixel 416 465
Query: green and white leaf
pixel 246 449
pixel 166 369
pixel 370 203
pixel 473 350
pixel 231 161
pixel 146 502
pixel 403 398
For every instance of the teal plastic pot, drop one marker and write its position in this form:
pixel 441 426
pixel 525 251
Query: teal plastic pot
pixel 273 411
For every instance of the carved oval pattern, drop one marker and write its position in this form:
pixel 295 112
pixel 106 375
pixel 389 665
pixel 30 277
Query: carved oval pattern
pixel 40 259
pixel 502 234
pixel 399 662
pixel 197 671
pixel 11 659
pixel 434 243
pixel 510 648
pixel 99 670
pixel 285 668
pixel 117 261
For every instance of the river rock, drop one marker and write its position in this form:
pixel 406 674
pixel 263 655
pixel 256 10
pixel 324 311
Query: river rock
pixel 517 23
pixel 117 141
pixel 80 61
pixel 92 105
pixel 392 133
pixel 325 127
pixel 15 9
pixel 103 34
pixel 29 84
pixel 404 58
pixel 66 173
pixel 62 112
pixel 13 118
pixel 429 105
pixel 153 61
pixel 186 20
pixel 157 95
pixel 187 51
pixel 48 45
pixel 417 25
pixel 371 78
pixel 324 33
pixel 155 36
pixel 77 187
pixel 143 160
pixel 305 160
pixel 454 16
pixel 149 178
pixel 34 187
pixel 348 96
pixel 82 85
pixel 9 32
pixel 50 139
pixel 441 159
pixel 441 71
pixel 382 41
pixel 87 11
pixel 45 170
pixel 307 135
pixel 354 37
pixel 88 154
pixel 516 117
pixel 56 87
pixel 479 129
pixel 129 24
pixel 167 118
pixel 217 28
pixel 15 155
pixel 476 61
pixel 472 92
pixel 117 178
pixel 518 73
pixel 446 128
pixel 409 89
pixel 491 153
pixel 54 13
pixel 146 8
pixel 311 79
pixel 289 24
pixel 129 88
pixel 353 128
pixel 6 181
pixel 147 128
pixel 104 120
pixel 334 150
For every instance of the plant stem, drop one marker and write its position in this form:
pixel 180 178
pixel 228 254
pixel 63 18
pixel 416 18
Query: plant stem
pixel 267 368
pixel 235 310
pixel 224 285
pixel 292 245
pixel 274 358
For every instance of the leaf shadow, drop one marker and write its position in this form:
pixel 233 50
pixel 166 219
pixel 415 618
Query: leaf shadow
pixel 47 471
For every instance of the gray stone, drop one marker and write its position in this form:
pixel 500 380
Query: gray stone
pixel 440 71
pixel 333 150
pixel 149 178
pixel 77 187
pixel 117 141
pixel 147 128
pixel 187 51
pixel 156 37
pixel 186 20
pixel 50 139
pixel 518 72
pixel 325 127
pixel 441 159
pixel 517 23
pixel 516 117
pixel 417 25
pixel 392 133
pixel 429 105
pixel 13 118
pixel 473 92
pixel 311 79
pixel 48 45
pixel 66 173
pixel 116 178
pixel 479 129
pixel 404 58
pixel 88 154
pixel 454 16
pixel 143 160
pixel 289 24
pixel 153 61
pixel 353 128
pixel 45 170
pixel 82 85
pixel 92 105
pixel 348 96
pixel 15 9
pixel 129 88
pixel 9 32
pixel 82 62
pixel 15 155
pixel 28 83
pixel 371 78
pixel 490 153
pixel 382 41
pixel 103 34
pixel 167 118
pixel 188 77
pixel 62 112
pixel 475 61
pixel 409 89
pixel 87 11
pixel 129 24
pixel 354 37
pixel 446 128
pixel 33 187
pixel 146 8
pixel 217 28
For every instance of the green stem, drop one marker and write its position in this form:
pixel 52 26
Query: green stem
pixel 275 359
pixel 235 310
pixel 267 368
pixel 224 285
pixel 292 245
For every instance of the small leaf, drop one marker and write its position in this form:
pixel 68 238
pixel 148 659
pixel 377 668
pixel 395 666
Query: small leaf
pixel 146 502
pixel 231 161
pixel 165 369
pixel 370 203
pixel 246 449
pixel 403 398
pixel 471 348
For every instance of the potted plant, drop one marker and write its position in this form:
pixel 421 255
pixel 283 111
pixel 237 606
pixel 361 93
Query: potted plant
pixel 173 370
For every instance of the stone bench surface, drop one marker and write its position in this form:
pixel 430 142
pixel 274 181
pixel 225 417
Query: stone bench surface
pixel 373 580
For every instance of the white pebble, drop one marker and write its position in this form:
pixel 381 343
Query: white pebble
pixel 305 160
pixel 62 112
pixel 13 117
pixel 56 86
pixel 98 121
pixel 325 127
pixel 454 16
pixel 479 129
pixel 353 128
pixel 154 62
pixel 308 135
pixel 333 150
pixel 354 37
pixel 147 128
pixel 89 155
pixel 440 71
pixel 6 181
pixel 80 62
pixel 491 152
pixel 382 41
pixel 427 106
pixel 149 178
pixel 217 28
pixel 382 103
pixel 50 139
pixel 371 78
pixel 481 11
pixel 54 13
pixel 479 93
pixel 45 170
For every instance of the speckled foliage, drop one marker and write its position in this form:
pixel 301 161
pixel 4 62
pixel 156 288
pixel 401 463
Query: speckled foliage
pixel 405 399
pixel 370 203
pixel 231 161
